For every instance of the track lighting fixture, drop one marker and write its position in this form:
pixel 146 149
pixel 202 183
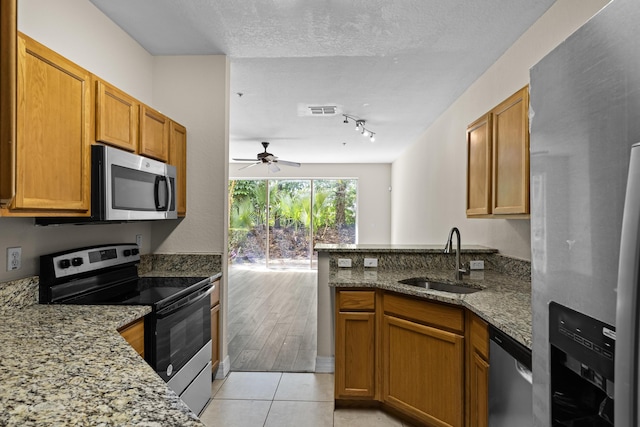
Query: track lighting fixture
pixel 360 126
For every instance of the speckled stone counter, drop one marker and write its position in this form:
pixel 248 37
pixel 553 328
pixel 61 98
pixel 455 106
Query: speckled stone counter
pixel 67 365
pixel 504 301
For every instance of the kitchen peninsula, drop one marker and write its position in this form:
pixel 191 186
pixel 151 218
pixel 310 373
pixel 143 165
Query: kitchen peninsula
pixel 422 353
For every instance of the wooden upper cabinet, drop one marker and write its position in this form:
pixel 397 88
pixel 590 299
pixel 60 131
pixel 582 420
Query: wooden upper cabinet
pixel 178 158
pixel 479 167
pixel 498 160
pixel 53 144
pixel 116 117
pixel 154 134
pixel 8 82
pixel 511 155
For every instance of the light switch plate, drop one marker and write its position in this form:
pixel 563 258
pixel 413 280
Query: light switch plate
pixel 371 262
pixel 344 262
pixel 476 265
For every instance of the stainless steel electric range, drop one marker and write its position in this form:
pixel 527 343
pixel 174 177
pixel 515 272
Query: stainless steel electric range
pixel 177 331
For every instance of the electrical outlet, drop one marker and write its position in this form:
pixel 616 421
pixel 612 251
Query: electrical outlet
pixel 139 240
pixel 371 262
pixel 14 258
pixel 344 262
pixel 476 265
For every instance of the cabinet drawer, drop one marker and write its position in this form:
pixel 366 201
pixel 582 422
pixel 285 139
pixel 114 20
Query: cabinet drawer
pixel 215 293
pixel 356 300
pixel 425 312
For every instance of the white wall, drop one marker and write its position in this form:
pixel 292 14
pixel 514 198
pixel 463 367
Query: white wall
pixel 193 90
pixel 429 178
pixel 79 31
pixel 374 197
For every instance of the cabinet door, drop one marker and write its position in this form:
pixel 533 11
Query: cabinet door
pixel 215 341
pixel 479 167
pixel 8 68
pixel 477 372
pixel 178 158
pixel 511 155
pixel 478 391
pixel 423 372
pixel 116 117
pixel 355 357
pixel 53 144
pixel 154 134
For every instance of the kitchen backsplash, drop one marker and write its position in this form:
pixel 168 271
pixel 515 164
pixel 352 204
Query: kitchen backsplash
pixel 514 267
pixel 180 263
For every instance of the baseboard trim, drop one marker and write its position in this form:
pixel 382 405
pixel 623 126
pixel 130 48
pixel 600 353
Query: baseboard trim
pixel 325 365
pixel 223 368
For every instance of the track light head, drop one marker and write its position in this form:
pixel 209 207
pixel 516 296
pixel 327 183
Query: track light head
pixel 360 126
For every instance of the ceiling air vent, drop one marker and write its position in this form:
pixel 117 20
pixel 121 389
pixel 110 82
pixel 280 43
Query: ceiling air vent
pixel 323 110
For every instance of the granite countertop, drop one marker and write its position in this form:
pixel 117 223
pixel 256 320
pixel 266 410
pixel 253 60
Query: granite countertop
pixel 67 365
pixel 398 249
pixel 504 301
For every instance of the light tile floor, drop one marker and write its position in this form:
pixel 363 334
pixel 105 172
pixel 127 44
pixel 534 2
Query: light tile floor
pixel 273 399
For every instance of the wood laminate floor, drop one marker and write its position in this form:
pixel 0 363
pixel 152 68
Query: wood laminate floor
pixel 272 320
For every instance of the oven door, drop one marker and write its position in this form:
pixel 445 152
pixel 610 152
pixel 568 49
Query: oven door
pixel 180 330
pixel 136 187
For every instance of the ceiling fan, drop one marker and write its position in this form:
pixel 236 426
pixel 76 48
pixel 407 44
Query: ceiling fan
pixel 267 158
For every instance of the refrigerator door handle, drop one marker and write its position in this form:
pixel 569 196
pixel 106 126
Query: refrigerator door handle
pixel 626 351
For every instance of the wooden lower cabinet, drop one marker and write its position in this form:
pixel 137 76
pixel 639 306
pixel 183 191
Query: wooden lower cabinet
pixel 355 342
pixel 423 371
pixel 355 373
pixel 133 333
pixel 424 360
pixel 477 372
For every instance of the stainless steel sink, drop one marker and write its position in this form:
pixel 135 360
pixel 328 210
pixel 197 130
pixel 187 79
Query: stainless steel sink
pixel 438 286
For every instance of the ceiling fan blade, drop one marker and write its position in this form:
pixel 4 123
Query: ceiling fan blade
pixel 273 167
pixel 287 163
pixel 244 160
pixel 248 166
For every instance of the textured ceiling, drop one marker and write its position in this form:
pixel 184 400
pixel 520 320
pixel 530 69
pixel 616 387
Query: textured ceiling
pixel 398 64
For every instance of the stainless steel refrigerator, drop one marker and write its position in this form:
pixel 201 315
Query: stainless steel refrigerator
pixel 585 117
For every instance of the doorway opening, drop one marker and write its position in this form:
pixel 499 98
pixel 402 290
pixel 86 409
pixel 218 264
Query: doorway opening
pixel 273 227
pixel 276 223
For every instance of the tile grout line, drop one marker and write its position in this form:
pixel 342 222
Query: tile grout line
pixel 272 400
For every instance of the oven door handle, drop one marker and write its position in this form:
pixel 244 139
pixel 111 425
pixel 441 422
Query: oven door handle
pixel 183 303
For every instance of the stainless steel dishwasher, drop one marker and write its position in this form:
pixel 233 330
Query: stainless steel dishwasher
pixel 510 390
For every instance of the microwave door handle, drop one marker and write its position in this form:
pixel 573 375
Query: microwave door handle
pixel 167 180
pixel 156 193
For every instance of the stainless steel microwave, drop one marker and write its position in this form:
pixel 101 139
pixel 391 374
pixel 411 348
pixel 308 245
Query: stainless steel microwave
pixel 126 187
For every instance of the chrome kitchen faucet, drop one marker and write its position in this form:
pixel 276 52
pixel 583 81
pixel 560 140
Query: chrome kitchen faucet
pixel 447 250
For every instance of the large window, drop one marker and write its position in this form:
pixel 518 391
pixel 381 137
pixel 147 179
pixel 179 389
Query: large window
pixel 276 223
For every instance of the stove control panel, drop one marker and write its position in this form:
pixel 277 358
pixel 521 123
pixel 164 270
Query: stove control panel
pixel 85 260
